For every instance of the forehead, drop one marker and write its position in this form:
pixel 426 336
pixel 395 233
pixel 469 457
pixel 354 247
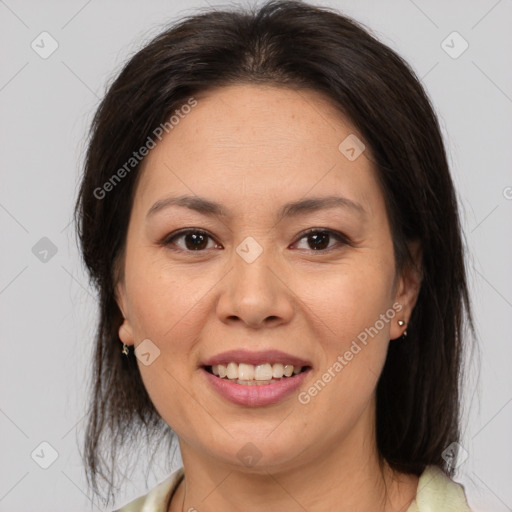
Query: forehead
pixel 257 141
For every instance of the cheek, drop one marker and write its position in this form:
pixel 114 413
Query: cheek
pixel 345 308
pixel 168 306
pixel 166 300
pixel 170 311
pixel 347 301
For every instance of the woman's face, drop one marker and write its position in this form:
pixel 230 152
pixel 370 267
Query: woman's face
pixel 250 281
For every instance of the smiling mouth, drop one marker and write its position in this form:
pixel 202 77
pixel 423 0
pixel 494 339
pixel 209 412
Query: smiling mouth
pixel 255 375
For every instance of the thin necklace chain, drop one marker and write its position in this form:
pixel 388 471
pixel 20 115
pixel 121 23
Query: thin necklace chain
pixel 183 504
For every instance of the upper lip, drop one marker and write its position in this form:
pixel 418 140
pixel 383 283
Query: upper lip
pixel 255 358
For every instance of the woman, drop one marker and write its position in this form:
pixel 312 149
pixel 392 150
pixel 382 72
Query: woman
pixel 269 217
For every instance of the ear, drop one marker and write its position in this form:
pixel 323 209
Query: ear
pixel 125 329
pixel 407 290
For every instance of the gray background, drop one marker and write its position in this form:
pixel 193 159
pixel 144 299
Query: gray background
pixel 47 309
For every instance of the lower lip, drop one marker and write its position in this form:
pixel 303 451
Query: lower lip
pixel 256 395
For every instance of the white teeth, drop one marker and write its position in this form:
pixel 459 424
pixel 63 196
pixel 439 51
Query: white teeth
pixel 278 371
pixel 288 370
pixel 246 371
pixel 221 369
pixel 232 372
pixel 250 374
pixel 263 372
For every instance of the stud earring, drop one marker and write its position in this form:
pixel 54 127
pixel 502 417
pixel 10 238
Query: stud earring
pixel 401 323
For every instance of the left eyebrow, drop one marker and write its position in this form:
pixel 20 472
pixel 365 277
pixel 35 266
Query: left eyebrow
pixel 196 203
pixel 291 209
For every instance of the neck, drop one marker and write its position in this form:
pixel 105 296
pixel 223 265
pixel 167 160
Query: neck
pixel 343 476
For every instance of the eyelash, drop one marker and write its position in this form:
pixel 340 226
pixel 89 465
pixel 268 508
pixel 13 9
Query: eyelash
pixel 340 237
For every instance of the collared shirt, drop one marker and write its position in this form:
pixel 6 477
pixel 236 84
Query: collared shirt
pixel 436 493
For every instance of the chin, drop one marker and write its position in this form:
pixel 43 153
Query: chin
pixel 252 452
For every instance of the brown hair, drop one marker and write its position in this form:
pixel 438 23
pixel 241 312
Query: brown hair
pixel 291 44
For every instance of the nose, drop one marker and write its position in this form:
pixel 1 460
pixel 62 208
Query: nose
pixel 256 293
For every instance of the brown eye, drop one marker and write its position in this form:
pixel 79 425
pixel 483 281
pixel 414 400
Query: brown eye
pixel 193 240
pixel 318 240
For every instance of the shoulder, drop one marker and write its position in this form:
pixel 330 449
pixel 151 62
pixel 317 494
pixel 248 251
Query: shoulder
pixel 157 499
pixel 438 493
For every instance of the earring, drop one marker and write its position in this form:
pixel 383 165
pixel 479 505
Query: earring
pixel 401 323
pixel 125 350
